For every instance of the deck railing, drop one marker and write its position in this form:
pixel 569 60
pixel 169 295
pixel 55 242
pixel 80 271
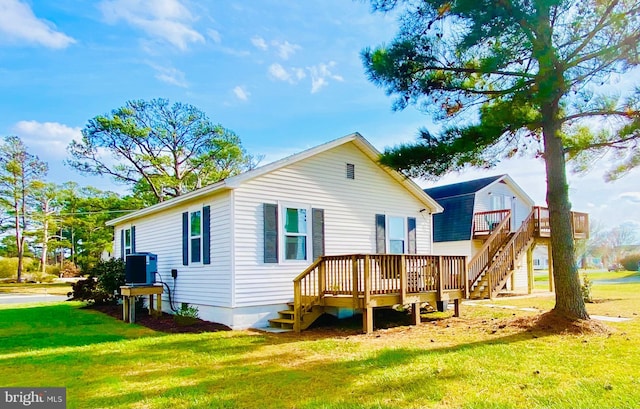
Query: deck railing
pixel 484 223
pixel 579 223
pixel 363 276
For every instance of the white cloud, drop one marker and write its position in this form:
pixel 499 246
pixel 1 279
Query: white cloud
pixel 18 23
pixel 292 75
pixel 259 43
pixel 165 20
pixel 51 138
pixel 214 35
pixel 241 93
pixel 320 74
pixel 633 197
pixel 285 49
pixel 170 75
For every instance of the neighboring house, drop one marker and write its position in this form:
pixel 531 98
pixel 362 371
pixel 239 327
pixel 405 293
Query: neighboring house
pixel 540 258
pixel 494 223
pixel 237 245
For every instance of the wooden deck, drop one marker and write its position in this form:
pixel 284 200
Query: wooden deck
pixel 367 281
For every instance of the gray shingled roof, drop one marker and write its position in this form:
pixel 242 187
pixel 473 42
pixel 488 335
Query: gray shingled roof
pixel 454 224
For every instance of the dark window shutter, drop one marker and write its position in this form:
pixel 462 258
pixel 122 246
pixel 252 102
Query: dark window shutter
pixel 317 227
pixel 270 212
pixel 411 234
pixel 122 244
pixel 133 239
pixel 206 235
pixel 380 234
pixel 185 238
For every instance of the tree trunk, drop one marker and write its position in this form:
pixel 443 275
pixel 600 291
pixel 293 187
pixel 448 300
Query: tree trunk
pixel 19 243
pixel 569 301
pixel 551 86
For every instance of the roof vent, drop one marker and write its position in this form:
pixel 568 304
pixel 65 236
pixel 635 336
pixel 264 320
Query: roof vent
pixel 351 171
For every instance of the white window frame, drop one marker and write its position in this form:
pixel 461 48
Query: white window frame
pixel 499 201
pixel 128 249
pixel 196 237
pixel 282 233
pixel 405 238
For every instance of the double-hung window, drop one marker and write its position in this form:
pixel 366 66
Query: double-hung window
pixel 397 232
pixel 295 233
pixel 195 235
pixel 127 242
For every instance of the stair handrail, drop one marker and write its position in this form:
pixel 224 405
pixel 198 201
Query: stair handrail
pixel 505 259
pixel 301 305
pixel 481 260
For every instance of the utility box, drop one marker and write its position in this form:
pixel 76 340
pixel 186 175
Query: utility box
pixel 141 269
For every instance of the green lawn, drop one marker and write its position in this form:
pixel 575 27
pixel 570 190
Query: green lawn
pixel 476 361
pixel 36 288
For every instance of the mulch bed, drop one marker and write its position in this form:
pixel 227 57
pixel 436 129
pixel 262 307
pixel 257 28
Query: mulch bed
pixel 163 323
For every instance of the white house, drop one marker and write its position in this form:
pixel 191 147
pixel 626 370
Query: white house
pixel 471 210
pixel 238 244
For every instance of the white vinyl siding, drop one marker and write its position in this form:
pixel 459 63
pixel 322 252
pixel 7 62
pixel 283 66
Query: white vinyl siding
pixel 161 233
pixel 500 196
pixel 349 205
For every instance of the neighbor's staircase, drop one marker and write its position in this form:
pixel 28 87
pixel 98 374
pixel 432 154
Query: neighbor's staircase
pixel 494 264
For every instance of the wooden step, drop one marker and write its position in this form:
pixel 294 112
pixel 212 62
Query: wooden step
pixel 289 313
pixel 281 323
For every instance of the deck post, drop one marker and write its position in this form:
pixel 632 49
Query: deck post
pixel 297 306
pixel 466 278
pixel 367 320
pixel 530 282
pixel 415 313
pixel 355 280
pixel 403 279
pixel 440 283
pixel 550 257
pixel 456 307
pixel 321 281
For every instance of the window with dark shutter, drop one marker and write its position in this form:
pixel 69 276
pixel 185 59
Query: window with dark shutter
pixel 185 238
pixel 206 235
pixel 270 222
pixel 122 244
pixel 133 239
pixel 317 227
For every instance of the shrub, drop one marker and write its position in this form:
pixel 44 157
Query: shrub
pixel 103 283
pixel 110 274
pixel 9 266
pixel 630 262
pixel 186 315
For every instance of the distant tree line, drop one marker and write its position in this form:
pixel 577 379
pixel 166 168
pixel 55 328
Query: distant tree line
pixel 159 150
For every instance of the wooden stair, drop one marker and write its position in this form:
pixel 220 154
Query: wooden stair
pixel 287 318
pixel 499 265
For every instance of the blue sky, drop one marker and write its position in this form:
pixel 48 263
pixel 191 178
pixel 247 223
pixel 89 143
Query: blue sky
pixel 284 75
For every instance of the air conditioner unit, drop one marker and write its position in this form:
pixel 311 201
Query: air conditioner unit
pixel 141 269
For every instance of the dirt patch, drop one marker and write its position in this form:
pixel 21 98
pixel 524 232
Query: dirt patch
pixel 552 322
pixel 163 323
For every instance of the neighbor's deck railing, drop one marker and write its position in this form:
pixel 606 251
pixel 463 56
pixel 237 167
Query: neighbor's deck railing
pixel 363 276
pixel 485 223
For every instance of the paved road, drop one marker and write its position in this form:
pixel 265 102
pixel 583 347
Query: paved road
pixel 625 280
pixel 29 298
